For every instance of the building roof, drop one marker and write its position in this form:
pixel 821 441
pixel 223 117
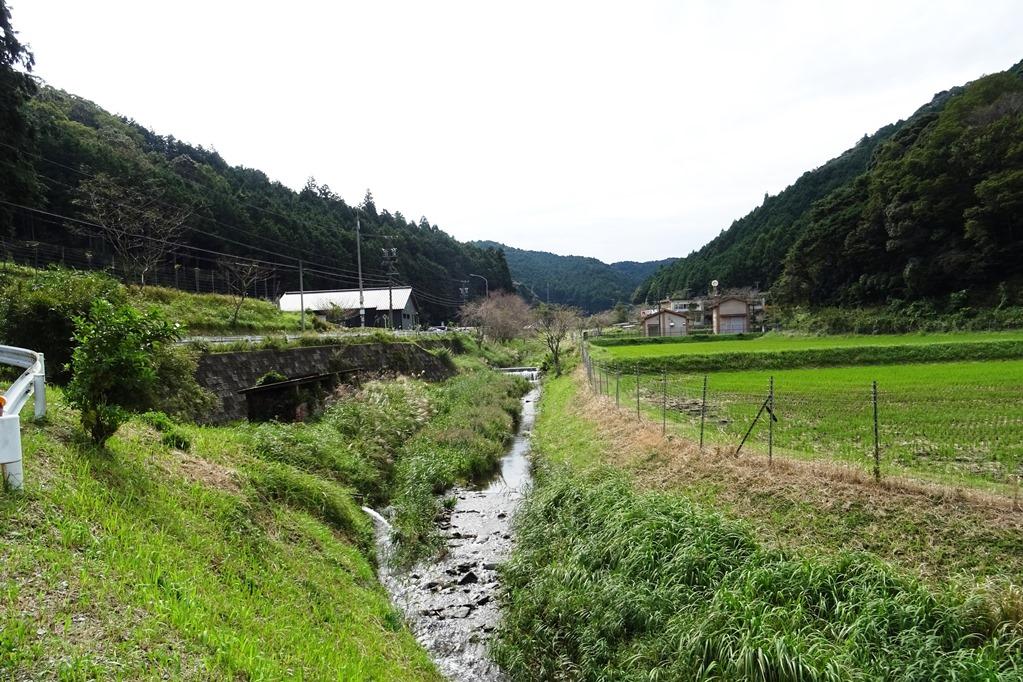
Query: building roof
pixel 665 311
pixel 721 300
pixel 347 299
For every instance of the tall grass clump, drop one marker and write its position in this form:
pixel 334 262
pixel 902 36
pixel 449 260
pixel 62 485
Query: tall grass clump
pixel 475 415
pixel 609 583
pixel 316 496
pixel 356 439
pixel 401 442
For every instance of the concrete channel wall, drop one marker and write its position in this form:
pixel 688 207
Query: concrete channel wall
pixel 227 373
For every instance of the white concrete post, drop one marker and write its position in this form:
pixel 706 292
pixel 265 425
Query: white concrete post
pixel 39 388
pixel 10 451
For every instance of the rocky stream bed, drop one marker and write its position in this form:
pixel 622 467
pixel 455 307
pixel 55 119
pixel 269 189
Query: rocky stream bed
pixel 450 604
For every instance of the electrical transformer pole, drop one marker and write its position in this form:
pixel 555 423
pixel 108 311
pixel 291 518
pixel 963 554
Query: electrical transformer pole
pixel 358 255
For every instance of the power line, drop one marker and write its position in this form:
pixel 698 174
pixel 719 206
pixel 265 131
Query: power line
pixel 419 292
pixel 340 273
pixel 241 230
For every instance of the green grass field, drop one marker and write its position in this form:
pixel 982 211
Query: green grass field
pixel 960 421
pixel 773 343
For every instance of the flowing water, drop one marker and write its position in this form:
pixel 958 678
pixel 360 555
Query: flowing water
pixel 450 604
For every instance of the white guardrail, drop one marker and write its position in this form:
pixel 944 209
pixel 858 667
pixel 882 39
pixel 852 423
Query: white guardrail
pixel 32 382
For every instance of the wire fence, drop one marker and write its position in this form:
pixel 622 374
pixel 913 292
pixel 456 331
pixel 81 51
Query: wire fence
pixel 948 432
pixel 179 273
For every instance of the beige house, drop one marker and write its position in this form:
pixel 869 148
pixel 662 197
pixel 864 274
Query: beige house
pixel 731 315
pixel 665 323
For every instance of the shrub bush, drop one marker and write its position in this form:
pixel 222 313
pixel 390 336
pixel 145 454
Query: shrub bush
pixel 271 377
pixel 114 365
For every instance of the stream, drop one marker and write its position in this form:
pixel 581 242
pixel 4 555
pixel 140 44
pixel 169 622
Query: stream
pixel 450 604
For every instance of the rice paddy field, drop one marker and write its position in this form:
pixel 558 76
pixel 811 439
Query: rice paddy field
pixel 957 422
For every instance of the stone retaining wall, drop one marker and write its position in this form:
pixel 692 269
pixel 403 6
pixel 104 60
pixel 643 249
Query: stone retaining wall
pixel 227 373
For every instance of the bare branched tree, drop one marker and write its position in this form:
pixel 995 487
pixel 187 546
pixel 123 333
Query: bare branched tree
pixel 553 324
pixel 241 276
pixel 138 223
pixel 500 316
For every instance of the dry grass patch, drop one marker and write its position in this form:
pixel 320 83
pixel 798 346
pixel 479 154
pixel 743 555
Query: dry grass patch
pixel 936 531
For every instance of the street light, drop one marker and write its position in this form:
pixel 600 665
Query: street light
pixel 486 282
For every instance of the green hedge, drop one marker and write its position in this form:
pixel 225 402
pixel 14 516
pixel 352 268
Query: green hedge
pixel 608 341
pixel 825 357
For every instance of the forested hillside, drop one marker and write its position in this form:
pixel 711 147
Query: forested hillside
pixel 585 283
pixel 919 209
pixel 73 151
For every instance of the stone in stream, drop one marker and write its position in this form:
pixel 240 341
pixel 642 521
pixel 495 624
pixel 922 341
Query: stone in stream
pixel 468 578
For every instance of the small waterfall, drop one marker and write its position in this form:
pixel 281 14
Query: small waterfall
pixel 379 520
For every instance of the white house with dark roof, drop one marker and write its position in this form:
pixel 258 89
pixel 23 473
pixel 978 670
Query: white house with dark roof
pixel 377 301
pixel 665 323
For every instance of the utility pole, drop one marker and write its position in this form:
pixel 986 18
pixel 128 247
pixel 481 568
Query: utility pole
pixel 358 255
pixel 301 291
pixel 390 258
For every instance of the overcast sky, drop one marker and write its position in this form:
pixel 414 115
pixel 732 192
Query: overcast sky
pixel 625 130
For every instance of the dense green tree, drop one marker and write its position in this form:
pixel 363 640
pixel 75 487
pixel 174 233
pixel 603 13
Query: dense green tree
pixel 920 210
pixel 937 212
pixel 17 177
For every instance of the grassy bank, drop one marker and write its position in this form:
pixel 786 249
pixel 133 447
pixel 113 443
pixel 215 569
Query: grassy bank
pixel 148 562
pixel 639 575
pixel 613 584
pixel 212 313
pixel 939 532
pixel 238 552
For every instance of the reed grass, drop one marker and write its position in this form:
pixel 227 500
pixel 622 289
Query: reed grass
pixel 610 583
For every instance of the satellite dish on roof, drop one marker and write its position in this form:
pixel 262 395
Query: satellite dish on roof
pixel 713 282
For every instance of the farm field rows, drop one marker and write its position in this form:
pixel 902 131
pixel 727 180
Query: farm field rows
pixel 779 343
pixel 959 422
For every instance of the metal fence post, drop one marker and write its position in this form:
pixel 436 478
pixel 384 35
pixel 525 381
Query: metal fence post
pixel 39 388
pixel 770 424
pixel 664 403
pixel 618 377
pixel 703 410
pixel 877 438
pixel 637 391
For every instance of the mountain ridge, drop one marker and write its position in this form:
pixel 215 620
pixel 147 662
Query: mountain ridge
pixel 753 249
pixel 582 282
